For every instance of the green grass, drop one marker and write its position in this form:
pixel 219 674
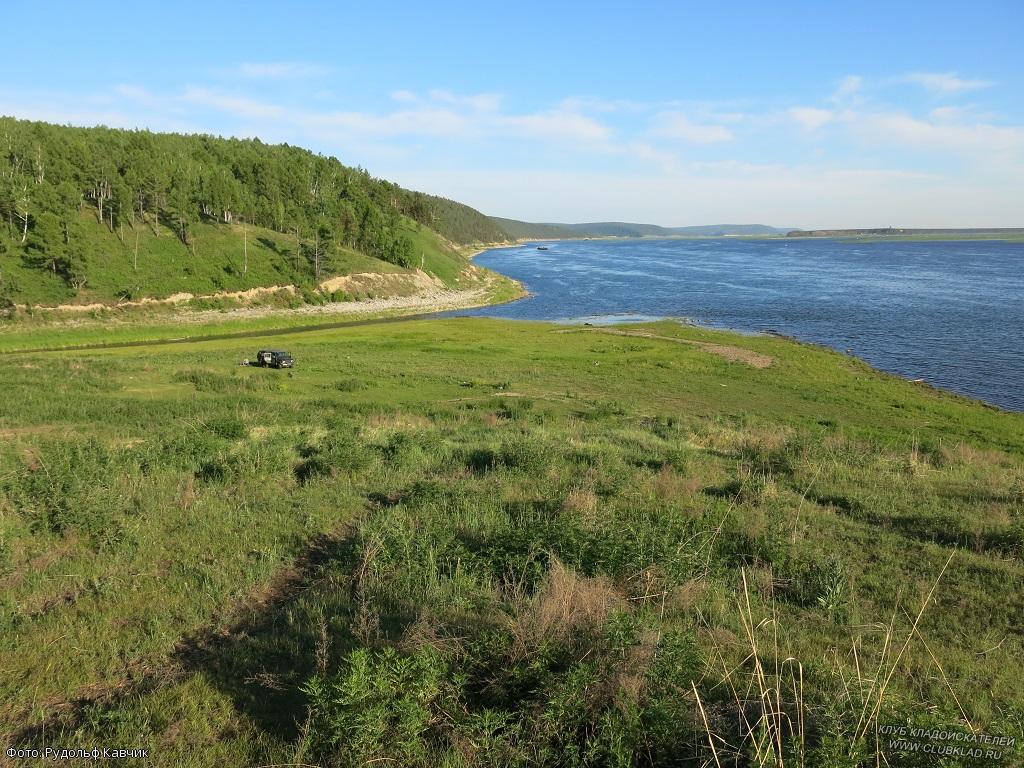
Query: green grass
pixel 476 542
pixel 165 266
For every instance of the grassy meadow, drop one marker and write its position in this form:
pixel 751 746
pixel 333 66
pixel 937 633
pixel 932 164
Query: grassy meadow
pixel 472 542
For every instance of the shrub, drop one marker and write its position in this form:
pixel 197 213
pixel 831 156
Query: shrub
pixel 526 454
pixel 819 583
pixel 227 427
pixel 419 449
pixel 381 705
pixel 341 451
pixel 350 385
pixel 513 408
pixel 70 487
pixel 205 380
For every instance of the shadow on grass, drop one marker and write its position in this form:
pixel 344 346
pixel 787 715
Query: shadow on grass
pixel 946 529
pixel 259 657
pixel 264 656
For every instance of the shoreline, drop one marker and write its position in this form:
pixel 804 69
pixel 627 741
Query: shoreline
pixel 57 330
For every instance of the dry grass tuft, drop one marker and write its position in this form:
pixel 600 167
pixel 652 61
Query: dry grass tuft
pixel 627 684
pixel 569 609
pixel 580 500
pixel 187 494
pixel 964 454
pixel 397 420
pixel 686 597
pixel 427 632
pixel 668 484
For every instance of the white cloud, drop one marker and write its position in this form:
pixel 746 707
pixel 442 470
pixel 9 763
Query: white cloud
pixel 811 118
pixel 676 125
pixel 240 106
pixel 569 126
pixel 133 92
pixel 418 121
pixel 937 134
pixel 438 114
pixel 944 83
pixel 481 102
pixel 668 161
pixel 848 87
pixel 281 70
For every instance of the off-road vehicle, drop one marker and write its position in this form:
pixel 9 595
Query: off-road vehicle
pixel 274 358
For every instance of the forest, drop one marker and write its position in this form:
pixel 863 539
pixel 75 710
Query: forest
pixel 62 188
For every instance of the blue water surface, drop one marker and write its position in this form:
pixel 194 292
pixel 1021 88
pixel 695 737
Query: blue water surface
pixel 951 313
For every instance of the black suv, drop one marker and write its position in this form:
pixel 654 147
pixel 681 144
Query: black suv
pixel 274 358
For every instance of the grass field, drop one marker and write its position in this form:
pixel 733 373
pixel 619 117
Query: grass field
pixel 476 542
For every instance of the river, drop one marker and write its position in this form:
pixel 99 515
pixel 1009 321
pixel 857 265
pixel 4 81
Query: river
pixel 948 312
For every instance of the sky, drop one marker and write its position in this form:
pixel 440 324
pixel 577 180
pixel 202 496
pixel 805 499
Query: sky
pixel 799 114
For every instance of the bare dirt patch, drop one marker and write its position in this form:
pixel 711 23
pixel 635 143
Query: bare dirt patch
pixel 392 284
pixel 174 298
pixel 730 353
pixel 419 295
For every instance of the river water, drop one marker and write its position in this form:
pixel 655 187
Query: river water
pixel 951 313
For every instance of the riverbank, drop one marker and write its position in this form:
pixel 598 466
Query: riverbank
pixel 155 321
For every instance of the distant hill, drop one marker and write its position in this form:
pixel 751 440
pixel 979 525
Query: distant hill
pixel 900 232
pixel 98 214
pixel 719 230
pixel 523 230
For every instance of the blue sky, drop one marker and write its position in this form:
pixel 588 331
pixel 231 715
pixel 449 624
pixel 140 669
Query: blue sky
pixel 795 114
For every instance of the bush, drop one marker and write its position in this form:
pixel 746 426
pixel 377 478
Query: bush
pixel 341 451
pixel 382 704
pixel 420 449
pixel 819 583
pixel 227 427
pixel 350 385
pixel 70 487
pixel 205 380
pixel 526 454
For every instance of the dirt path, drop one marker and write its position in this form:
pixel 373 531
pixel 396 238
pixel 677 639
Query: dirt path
pixel 400 290
pixel 321 317
pixel 430 300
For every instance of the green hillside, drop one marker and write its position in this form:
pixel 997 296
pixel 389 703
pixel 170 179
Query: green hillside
pixel 95 214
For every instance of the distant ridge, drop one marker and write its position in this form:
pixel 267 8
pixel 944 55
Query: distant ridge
pixel 523 230
pixel 895 231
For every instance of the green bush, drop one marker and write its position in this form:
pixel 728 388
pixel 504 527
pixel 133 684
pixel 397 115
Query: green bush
pixel 526 454
pixel 227 427
pixel 205 380
pixel 382 705
pixel 350 385
pixel 340 451
pixel 72 487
